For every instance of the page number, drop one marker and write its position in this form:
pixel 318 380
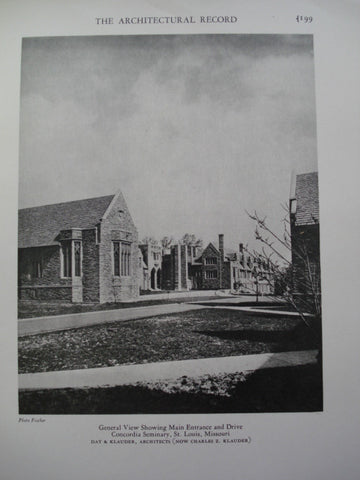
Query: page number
pixel 304 19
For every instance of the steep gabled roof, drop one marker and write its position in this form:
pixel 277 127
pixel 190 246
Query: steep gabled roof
pixel 210 250
pixel 307 199
pixel 229 253
pixel 39 226
pixel 213 248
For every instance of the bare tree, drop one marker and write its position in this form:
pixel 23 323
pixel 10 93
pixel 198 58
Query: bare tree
pixel 291 266
pixel 150 240
pixel 166 242
pixel 191 240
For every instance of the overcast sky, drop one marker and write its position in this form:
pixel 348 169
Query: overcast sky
pixel 193 129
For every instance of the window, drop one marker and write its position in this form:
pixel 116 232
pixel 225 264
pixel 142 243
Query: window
pixel 116 259
pixel 66 257
pixel 77 258
pixel 210 261
pixel 211 274
pixel 121 259
pixel 71 252
pixel 37 268
pixel 125 256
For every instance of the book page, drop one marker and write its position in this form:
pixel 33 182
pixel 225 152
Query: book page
pixel 151 154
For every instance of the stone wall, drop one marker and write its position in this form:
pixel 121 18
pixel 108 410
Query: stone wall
pixel 117 225
pixel 49 286
pixel 168 272
pixel 90 266
pixel 210 283
pixel 46 293
pixel 183 268
pixel 176 253
pixel 226 275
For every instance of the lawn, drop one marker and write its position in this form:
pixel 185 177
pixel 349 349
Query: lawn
pixel 290 389
pixel 34 309
pixel 189 335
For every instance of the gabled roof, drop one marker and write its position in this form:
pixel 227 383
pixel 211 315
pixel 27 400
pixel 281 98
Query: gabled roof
pixel 39 226
pixel 307 199
pixel 229 253
pixel 210 249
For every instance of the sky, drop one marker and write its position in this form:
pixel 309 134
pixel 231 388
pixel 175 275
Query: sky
pixel 194 129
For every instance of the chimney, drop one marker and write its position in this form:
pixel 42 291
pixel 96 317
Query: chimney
pixel 221 246
pixel 222 259
pixel 241 248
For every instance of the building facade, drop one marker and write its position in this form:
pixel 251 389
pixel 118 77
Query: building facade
pixel 215 268
pixel 221 268
pixel 305 239
pixel 80 251
pixel 152 263
pixel 176 262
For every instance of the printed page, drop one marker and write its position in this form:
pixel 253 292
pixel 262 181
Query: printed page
pixel 180 183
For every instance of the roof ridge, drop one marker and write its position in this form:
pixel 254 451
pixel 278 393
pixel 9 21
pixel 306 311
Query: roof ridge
pixel 67 203
pixel 41 225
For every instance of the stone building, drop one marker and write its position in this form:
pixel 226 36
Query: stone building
pixel 177 262
pixel 221 268
pixel 305 237
pixel 253 274
pixel 152 262
pixel 79 251
pixel 215 268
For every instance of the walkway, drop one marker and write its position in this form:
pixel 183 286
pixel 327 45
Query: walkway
pixel 240 299
pixel 54 323
pixel 176 295
pixel 152 372
pixel 285 313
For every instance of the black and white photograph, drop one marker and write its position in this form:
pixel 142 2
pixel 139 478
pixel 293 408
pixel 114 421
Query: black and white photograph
pixel 168 225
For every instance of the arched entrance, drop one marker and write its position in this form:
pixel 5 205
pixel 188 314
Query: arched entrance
pixel 153 279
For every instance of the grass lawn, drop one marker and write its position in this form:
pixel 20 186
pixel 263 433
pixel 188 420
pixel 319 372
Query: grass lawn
pixel 34 309
pixel 290 389
pixel 189 335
